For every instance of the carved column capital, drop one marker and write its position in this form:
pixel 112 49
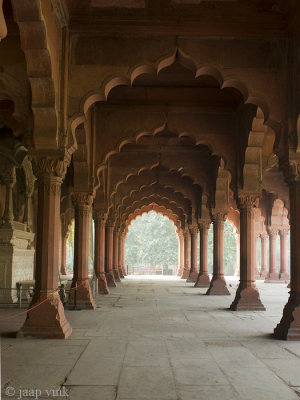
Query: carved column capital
pixel 204 224
pixel 248 200
pixel 272 231
pixel 193 229
pixel 284 231
pixel 82 199
pixel 46 166
pixel 99 215
pixel 219 217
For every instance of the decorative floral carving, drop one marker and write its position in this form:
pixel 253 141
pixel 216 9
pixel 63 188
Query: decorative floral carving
pixel 82 198
pixel 248 200
pixel 52 166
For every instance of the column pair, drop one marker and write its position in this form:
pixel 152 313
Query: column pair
pixel 82 208
pixel 181 253
pixel 218 284
pixel 203 277
pixel 111 254
pixel 187 253
pixel 47 320
pixel 193 275
pixel 247 296
pixel 99 261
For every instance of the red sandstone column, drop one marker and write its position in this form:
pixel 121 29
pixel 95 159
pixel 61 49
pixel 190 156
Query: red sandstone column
pixel 82 207
pixel 48 319
pixel 194 255
pixel 63 268
pixel 256 271
pixel 247 296
pixel 99 219
pixel 203 277
pixel 187 254
pixel 109 254
pixel 263 271
pixel 116 255
pixel 123 237
pixel 284 275
pixel 273 275
pixel 120 264
pixel 289 326
pixel 218 283
pixel 181 254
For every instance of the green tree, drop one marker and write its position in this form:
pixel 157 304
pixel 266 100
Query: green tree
pixel 151 240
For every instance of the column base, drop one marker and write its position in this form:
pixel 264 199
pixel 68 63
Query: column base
pixel 180 272
pixel 185 274
pixel 289 285
pixel 202 281
pixel 218 287
pixel 84 296
pixel 47 321
pixel 257 274
pixel 121 273
pixel 247 299
pixel 110 279
pixel 289 326
pixel 116 275
pixel 102 284
pixel 193 276
pixel 284 276
pixel 124 272
pixel 263 274
pixel 272 277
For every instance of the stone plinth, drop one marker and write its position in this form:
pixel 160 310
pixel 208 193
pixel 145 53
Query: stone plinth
pixel 16 259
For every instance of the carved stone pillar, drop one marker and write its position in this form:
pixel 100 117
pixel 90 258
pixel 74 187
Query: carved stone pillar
pixel 50 173
pixel 63 266
pixel 203 277
pixel 99 261
pixel 82 207
pixel 109 251
pixel 247 296
pixel 123 237
pixel 116 255
pixel 273 275
pixel 256 271
pixel 181 254
pixel 263 271
pixel 120 263
pixel 218 284
pixel 187 254
pixel 9 181
pixel 283 275
pixel 194 255
pixel 289 326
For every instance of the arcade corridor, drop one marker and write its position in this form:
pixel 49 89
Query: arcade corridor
pixel 162 339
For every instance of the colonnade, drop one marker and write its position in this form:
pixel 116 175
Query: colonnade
pixel 109 259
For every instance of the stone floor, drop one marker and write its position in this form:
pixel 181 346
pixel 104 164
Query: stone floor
pixel 159 340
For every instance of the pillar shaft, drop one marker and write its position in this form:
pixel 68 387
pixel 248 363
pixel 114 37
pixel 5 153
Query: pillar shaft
pixel 273 275
pixel 247 296
pixel 194 255
pixel 187 254
pixel 203 277
pixel 109 252
pixel 116 255
pixel 284 275
pixel 218 284
pixel 99 259
pixel 82 207
pixel 289 326
pixel 50 173
pixel 63 268
pixel 120 251
pixel 263 271
pixel 181 254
